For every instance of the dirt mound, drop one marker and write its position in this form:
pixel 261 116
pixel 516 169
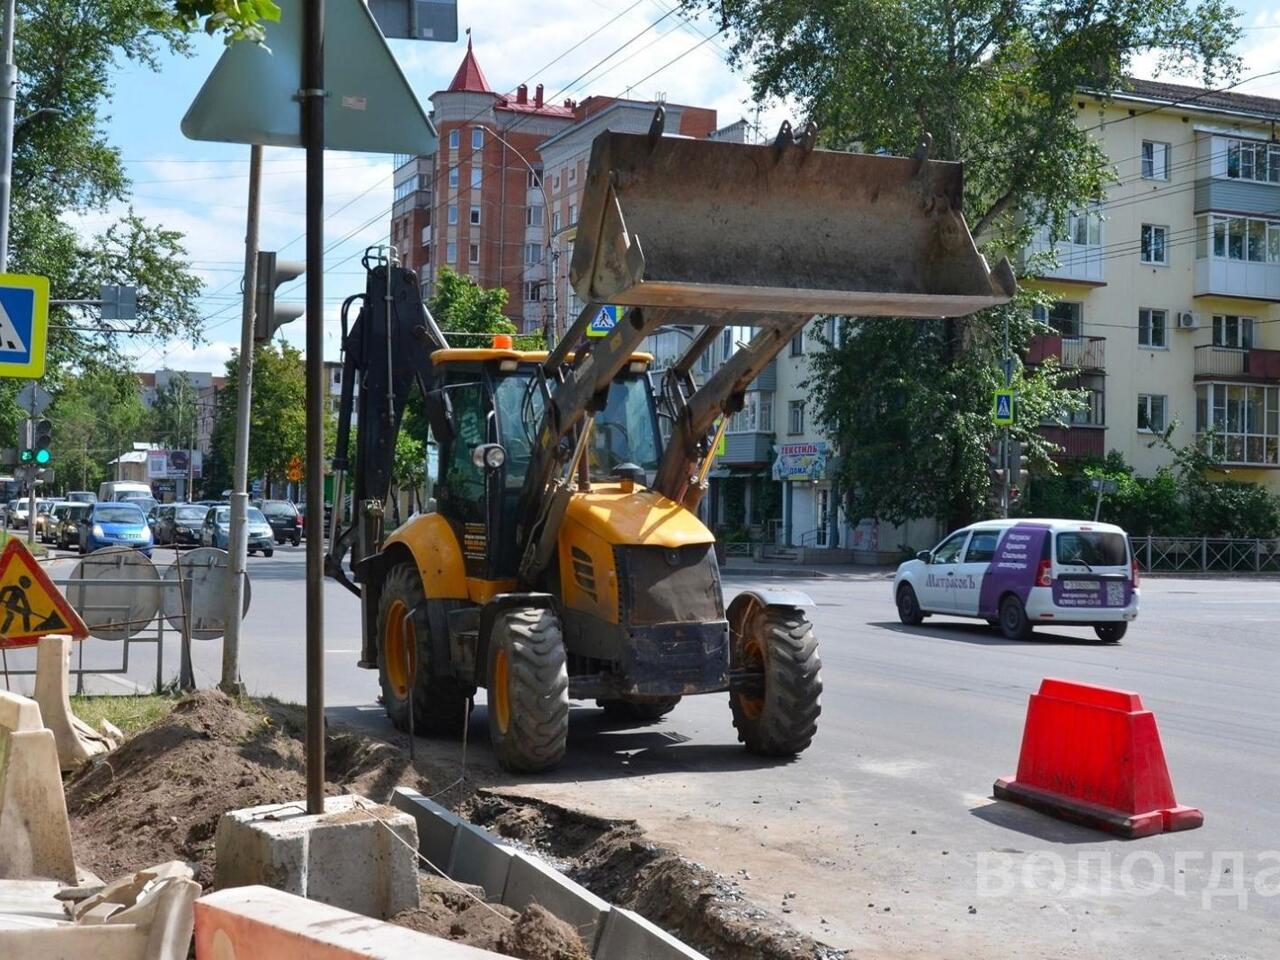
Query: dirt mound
pixel 539 935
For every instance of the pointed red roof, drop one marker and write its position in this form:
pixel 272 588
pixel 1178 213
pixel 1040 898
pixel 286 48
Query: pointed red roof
pixel 469 78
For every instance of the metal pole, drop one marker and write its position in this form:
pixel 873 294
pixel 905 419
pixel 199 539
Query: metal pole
pixel 32 469
pixel 230 682
pixel 312 98
pixel 8 98
pixel 1005 459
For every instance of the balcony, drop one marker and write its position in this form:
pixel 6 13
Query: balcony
pixel 1084 442
pixel 1251 279
pixel 1076 262
pixel 1237 363
pixel 1072 353
pixel 753 447
pixel 417 200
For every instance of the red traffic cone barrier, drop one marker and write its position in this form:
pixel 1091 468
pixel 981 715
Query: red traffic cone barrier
pixel 1092 755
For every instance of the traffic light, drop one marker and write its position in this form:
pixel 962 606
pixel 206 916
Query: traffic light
pixel 269 316
pixel 43 441
pixel 26 441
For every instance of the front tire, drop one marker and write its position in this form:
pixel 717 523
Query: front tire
pixel 268 551
pixel 1110 632
pixel 440 705
pixel 637 711
pixel 1014 623
pixel 528 690
pixel 909 611
pixel 776 711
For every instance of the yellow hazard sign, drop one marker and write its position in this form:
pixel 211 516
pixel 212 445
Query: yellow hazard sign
pixel 30 605
pixel 294 471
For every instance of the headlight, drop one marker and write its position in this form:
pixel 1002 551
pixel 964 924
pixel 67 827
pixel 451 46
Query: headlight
pixel 97 530
pixel 146 533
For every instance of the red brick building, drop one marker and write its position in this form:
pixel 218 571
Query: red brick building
pixel 479 205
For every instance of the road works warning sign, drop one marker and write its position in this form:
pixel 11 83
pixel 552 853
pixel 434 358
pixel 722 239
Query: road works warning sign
pixel 30 605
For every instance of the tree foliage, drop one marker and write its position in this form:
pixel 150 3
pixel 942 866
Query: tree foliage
pixel 277 418
pixel 469 313
pixel 232 19
pixel 96 415
pixel 173 413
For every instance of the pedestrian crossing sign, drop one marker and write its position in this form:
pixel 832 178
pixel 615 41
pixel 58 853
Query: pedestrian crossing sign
pixel 24 325
pixel 606 319
pixel 30 605
pixel 1004 408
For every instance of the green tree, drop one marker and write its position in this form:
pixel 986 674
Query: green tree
pixel 173 413
pixel 233 19
pixel 277 417
pixel 472 313
pixel 995 83
pixel 97 415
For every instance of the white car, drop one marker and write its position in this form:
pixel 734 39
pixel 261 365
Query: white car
pixel 1017 574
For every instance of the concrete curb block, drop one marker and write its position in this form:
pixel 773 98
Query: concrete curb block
pixel 518 879
pixel 436 825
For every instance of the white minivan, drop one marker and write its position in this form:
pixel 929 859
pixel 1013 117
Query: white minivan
pixel 1018 574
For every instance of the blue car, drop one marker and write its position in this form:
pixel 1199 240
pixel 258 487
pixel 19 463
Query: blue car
pixel 216 531
pixel 115 525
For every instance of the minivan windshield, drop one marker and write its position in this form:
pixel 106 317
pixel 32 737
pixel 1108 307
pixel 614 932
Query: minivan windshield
pixel 1094 549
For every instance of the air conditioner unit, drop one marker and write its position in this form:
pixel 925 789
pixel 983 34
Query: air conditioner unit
pixel 1188 320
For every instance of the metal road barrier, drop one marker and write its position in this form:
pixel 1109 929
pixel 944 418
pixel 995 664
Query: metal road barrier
pixel 1206 554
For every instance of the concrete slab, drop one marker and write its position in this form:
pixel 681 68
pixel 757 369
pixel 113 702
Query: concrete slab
pixel 357 855
pixel 436 825
pixel 629 936
pixel 76 740
pixel 248 923
pixel 480 858
pixel 533 881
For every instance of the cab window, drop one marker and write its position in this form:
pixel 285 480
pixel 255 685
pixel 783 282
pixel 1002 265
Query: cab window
pixel 464 480
pixel 949 550
pixel 982 547
pixel 1093 548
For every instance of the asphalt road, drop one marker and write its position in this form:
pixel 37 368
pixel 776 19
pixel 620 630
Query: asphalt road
pixel 884 830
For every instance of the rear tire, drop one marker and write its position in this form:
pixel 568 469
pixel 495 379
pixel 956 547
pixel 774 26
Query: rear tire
pixel 440 704
pixel 1110 632
pixel 268 551
pixel 637 711
pixel 780 717
pixel 1013 619
pixel 528 690
pixel 909 611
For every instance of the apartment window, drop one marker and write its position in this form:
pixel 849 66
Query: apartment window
pixel 1153 244
pixel 426 236
pixel 555 222
pixel 533 216
pixel 1155 160
pixel 1153 328
pixel 1244 419
pixel 1232 331
pixel 453 177
pixel 406 188
pixel 475 215
pixel 477 174
pixel 1151 412
pixel 755 416
pixel 555 182
pixel 1085 229
pixel 477 138
pixel 473 253
pixel 795 417
pixel 532 253
pixel 453 215
pixel 1253 160
pixel 534 179
pixel 532 290
pixel 454 139
pixel 451 252
pixel 573 173
pixel 797 345
pixel 573 214
pixel 1064 317
pixel 1238 238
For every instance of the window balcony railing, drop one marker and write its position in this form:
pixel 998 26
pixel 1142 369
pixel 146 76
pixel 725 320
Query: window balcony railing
pixel 1238 363
pixel 1072 353
pixel 1078 442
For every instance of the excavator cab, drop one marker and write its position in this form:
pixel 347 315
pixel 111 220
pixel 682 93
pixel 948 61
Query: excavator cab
pixel 565 557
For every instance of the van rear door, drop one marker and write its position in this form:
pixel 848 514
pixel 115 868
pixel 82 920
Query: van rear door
pixel 1091 569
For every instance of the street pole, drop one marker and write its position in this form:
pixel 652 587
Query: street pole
pixel 32 469
pixel 312 97
pixel 1004 443
pixel 8 99
pixel 230 682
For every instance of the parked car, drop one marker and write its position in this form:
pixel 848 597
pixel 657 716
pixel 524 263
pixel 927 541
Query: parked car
pixel 66 530
pixel 115 524
pixel 216 531
pixel 1019 574
pixel 82 496
pixel 284 518
pixel 15 514
pixel 47 522
pixel 43 507
pixel 179 523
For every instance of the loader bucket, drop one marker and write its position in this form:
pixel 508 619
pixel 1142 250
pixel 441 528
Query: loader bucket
pixel 776 228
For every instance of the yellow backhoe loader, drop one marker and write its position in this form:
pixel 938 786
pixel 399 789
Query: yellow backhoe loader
pixel 563 557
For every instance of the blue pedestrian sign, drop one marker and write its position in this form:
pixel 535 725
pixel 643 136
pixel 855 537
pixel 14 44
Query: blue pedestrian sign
pixel 604 321
pixel 24 325
pixel 1004 408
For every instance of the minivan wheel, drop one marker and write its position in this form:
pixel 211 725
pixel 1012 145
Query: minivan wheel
pixel 1110 632
pixel 909 611
pixel 1013 619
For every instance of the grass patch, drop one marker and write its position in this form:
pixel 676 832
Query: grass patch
pixel 129 713
pixel 37 549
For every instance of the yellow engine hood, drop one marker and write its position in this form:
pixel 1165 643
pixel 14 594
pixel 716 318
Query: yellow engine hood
pixel 642 517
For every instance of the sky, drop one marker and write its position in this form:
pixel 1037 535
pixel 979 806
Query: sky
pixel 638 48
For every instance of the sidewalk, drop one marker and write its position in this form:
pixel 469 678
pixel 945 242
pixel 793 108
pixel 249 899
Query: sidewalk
pixel 740 567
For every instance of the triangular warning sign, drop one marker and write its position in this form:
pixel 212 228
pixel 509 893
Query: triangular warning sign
pixel 10 339
pixel 30 604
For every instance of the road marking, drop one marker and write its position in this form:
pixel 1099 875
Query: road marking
pixel 342 651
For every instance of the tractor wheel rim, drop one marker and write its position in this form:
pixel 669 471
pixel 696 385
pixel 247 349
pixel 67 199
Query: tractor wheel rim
pixel 753 659
pixel 399 657
pixel 498 692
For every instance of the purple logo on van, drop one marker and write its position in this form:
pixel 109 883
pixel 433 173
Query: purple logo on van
pixel 1013 568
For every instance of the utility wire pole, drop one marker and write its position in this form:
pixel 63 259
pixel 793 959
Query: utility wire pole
pixel 8 100
pixel 230 682
pixel 1005 459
